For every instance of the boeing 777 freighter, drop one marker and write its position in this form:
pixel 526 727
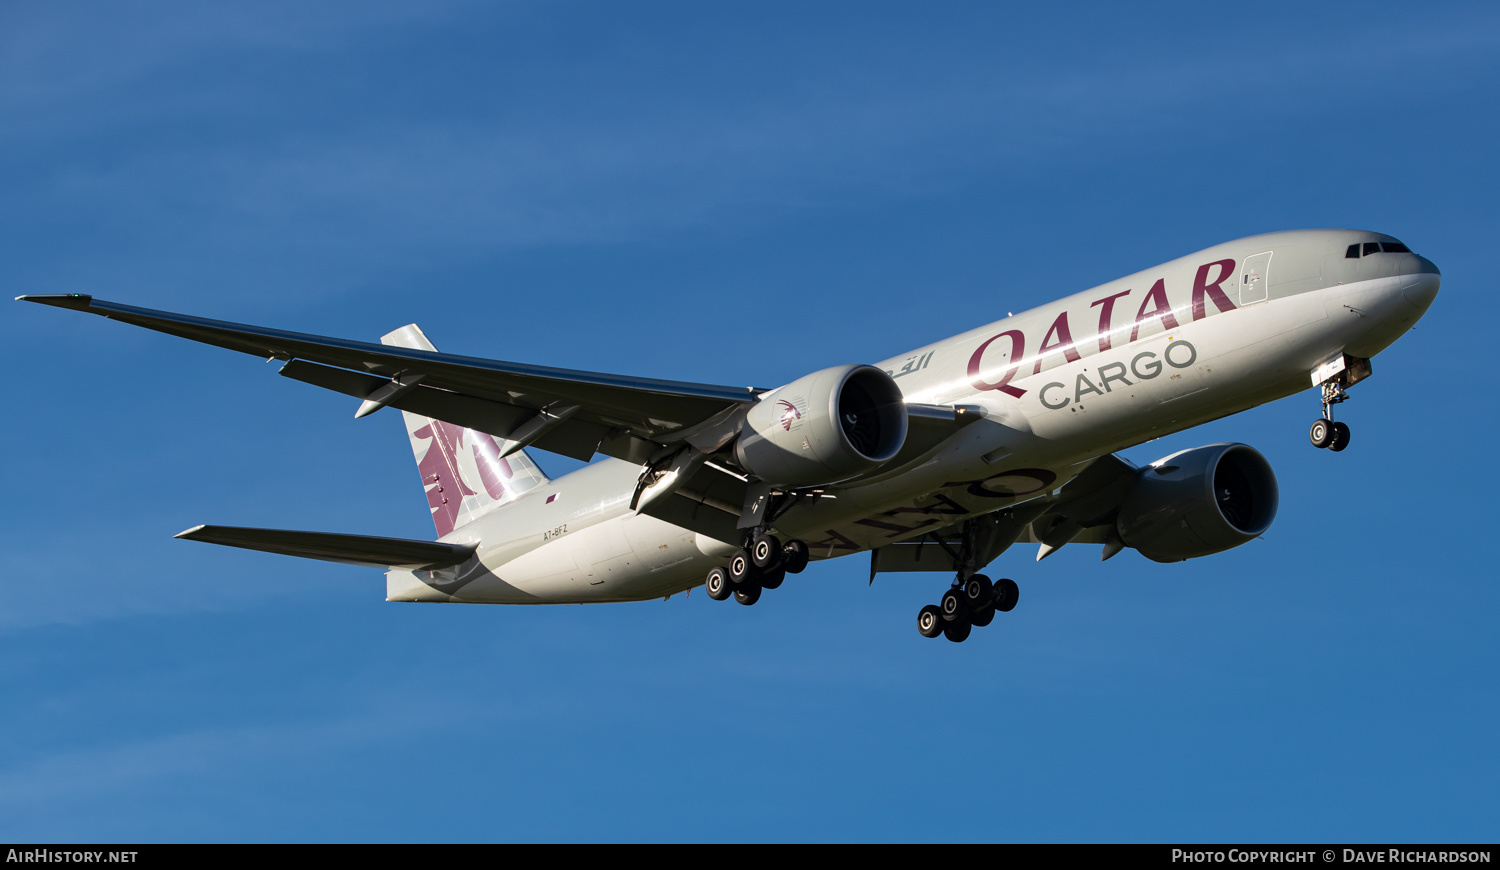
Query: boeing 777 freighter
pixel 934 460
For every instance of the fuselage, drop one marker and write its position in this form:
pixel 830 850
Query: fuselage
pixel 1191 340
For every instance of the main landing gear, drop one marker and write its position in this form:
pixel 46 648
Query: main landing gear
pixel 971 602
pixel 762 564
pixel 1325 432
pixel 974 599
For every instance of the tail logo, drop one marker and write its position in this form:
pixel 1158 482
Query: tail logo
pixel 443 478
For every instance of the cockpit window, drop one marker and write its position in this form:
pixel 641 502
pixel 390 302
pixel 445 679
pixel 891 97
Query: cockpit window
pixel 1369 248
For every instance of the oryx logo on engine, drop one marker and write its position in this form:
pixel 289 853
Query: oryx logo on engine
pixel 789 414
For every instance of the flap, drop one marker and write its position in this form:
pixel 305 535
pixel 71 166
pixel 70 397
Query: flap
pixel 709 502
pixel 577 439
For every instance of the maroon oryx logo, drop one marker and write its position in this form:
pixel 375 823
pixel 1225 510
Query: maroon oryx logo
pixel 789 414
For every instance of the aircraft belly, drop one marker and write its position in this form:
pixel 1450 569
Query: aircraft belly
pixel 564 568
pixel 658 545
pixel 914 514
pixel 569 504
pixel 402 584
pixel 625 558
pixel 964 479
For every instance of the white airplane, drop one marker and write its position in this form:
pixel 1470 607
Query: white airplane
pixel 934 460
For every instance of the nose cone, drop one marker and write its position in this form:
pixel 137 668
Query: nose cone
pixel 1422 286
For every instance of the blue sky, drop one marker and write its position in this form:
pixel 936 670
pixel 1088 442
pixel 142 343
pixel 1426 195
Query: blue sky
pixel 739 195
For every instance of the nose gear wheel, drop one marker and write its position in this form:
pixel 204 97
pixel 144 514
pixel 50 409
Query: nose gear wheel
pixel 1325 433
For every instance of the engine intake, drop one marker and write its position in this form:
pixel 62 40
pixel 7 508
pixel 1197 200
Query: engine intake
pixel 1199 502
pixel 823 428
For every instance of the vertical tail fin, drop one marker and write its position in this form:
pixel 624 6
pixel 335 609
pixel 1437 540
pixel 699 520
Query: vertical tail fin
pixel 462 469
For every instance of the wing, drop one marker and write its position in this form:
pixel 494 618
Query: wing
pixel 575 413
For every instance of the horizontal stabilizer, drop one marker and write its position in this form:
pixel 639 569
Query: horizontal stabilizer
pixel 349 549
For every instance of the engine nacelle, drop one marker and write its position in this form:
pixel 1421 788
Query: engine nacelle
pixel 1199 502
pixel 823 428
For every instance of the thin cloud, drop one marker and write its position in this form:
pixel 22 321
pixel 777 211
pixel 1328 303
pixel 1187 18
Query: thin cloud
pixel 55 583
pixel 73 775
pixel 58 52
pixel 317 212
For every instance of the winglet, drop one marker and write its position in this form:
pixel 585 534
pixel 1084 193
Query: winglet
pixel 75 301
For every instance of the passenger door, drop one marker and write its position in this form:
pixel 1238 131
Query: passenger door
pixel 1255 281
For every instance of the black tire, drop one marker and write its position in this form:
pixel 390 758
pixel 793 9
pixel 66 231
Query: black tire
pixel 977 591
pixel 1321 433
pixel 1340 437
pixel 794 556
pixel 747 593
pixel 772 578
pixel 983 616
pixel 1007 593
pixel 765 552
pixel 958 632
pixel 741 569
pixel 718 585
pixel 953 607
pixel 930 621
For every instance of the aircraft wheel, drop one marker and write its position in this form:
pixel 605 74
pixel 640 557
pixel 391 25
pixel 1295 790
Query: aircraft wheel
pixel 794 556
pixel 952 606
pixel 1007 593
pixel 747 594
pixel 1340 437
pixel 930 621
pixel 741 568
pixel 772 578
pixel 958 632
pixel 1321 433
pixel 718 585
pixel 983 616
pixel 977 591
pixel 765 551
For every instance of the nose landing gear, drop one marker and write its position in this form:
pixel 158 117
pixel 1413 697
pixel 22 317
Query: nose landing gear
pixel 1325 433
pixel 1333 379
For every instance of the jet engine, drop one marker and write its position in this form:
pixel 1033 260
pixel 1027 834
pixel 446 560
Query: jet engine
pixel 1199 502
pixel 823 428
